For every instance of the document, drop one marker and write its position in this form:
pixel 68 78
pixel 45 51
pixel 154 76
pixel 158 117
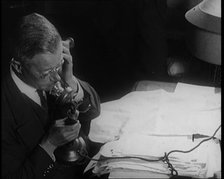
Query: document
pixel 196 163
pixel 190 109
pixel 150 124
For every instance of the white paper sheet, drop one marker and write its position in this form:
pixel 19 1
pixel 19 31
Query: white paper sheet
pixel 150 123
pixel 201 162
pixel 135 106
pixel 191 109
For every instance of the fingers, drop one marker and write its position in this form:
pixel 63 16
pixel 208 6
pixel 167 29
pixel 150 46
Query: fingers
pixel 67 68
pixel 74 127
pixel 70 133
pixel 68 89
pixel 62 123
pixel 66 50
pixel 62 134
pixel 65 43
pixel 67 58
pixel 69 42
pixel 67 139
pixel 77 126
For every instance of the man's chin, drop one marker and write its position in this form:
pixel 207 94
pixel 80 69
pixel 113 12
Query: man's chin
pixel 48 88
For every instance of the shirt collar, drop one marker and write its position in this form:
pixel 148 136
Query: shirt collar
pixel 25 88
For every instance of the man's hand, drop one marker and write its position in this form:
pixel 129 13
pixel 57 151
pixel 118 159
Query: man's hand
pixel 67 71
pixel 60 134
pixel 67 68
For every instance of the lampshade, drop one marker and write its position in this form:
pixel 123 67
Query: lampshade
pixel 204 37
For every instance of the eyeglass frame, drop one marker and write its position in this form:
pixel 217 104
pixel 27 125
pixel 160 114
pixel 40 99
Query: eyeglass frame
pixel 52 71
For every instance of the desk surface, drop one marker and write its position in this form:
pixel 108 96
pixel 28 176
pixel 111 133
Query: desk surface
pixel 154 85
pixel 144 86
pixel 148 86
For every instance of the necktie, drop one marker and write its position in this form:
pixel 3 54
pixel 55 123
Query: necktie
pixel 42 99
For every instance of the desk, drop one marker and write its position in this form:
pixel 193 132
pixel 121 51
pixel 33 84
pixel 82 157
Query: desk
pixel 149 86
pixel 144 86
pixel 154 85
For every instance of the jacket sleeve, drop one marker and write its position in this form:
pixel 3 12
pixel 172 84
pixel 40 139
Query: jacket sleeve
pixel 20 167
pixel 91 103
pixel 17 161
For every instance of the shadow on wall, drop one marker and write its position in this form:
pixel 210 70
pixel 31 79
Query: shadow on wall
pixel 176 22
pixel 116 42
pixel 183 63
pixel 182 4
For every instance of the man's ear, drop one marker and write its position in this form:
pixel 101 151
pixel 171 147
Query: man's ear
pixel 16 65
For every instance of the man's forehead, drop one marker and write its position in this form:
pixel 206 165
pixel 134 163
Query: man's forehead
pixel 46 61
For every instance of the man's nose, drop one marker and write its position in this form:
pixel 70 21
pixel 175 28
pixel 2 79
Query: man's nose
pixel 55 76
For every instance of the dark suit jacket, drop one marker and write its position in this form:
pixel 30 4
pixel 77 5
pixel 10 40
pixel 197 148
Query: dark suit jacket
pixel 23 125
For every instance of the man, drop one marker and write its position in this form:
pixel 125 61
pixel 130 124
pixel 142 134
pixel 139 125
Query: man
pixel 30 135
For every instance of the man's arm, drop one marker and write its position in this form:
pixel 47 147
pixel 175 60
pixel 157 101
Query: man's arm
pixel 90 107
pixel 17 162
pixel 91 99
pixel 15 165
pixel 84 90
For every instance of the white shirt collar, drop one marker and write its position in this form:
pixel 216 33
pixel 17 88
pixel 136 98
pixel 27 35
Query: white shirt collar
pixel 24 88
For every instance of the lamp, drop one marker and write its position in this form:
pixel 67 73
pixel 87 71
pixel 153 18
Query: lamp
pixel 204 36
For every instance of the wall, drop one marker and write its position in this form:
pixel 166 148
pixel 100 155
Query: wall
pixel 117 42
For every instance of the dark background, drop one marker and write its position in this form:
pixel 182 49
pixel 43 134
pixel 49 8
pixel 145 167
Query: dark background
pixel 117 42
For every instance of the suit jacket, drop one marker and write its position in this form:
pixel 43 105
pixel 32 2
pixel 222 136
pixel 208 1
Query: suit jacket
pixel 24 123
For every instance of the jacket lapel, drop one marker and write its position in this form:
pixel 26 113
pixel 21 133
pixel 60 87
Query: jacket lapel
pixel 28 123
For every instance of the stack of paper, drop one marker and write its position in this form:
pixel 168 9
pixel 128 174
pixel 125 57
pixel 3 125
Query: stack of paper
pixel 195 164
pixel 150 123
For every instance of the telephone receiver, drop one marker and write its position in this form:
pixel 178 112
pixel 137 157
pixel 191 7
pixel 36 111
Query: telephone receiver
pixel 67 106
pixel 69 153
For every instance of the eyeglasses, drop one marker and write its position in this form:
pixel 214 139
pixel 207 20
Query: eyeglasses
pixel 52 71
